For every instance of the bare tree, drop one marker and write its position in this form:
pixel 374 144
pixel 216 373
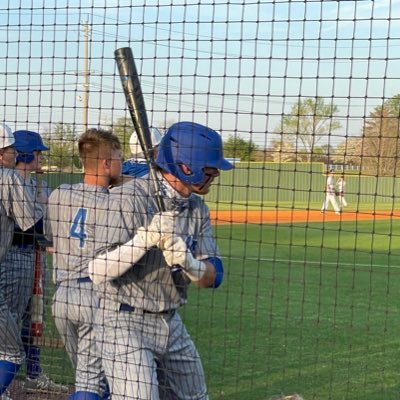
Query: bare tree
pixel 282 151
pixel 380 141
pixel 349 152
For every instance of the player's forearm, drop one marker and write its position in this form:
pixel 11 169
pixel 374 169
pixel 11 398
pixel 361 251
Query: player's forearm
pixel 114 263
pixel 208 276
pixel 202 271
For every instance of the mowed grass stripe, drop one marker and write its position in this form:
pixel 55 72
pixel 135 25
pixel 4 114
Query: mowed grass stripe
pixel 326 329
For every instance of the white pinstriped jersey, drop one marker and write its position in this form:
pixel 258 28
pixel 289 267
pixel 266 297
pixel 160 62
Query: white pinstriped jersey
pixel 149 284
pixel 83 221
pixel 17 205
pixel 341 184
pixel 330 185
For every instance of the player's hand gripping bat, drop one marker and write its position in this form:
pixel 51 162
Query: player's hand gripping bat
pixel 134 98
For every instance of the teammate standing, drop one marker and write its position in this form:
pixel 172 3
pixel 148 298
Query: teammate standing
pixel 21 256
pixel 142 286
pixel 341 185
pixel 83 222
pixel 330 194
pixel 137 165
pixel 17 206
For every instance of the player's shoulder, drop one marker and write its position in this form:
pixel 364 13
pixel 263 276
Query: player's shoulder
pixel 10 176
pixel 64 187
pixel 197 200
pixel 198 204
pixel 133 186
pixel 60 191
pixel 135 168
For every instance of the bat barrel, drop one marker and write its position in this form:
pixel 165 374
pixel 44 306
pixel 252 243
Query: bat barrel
pixel 134 98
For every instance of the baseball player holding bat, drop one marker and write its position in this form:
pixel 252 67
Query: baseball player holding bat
pixel 18 206
pixel 143 283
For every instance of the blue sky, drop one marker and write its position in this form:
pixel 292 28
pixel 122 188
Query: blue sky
pixel 236 67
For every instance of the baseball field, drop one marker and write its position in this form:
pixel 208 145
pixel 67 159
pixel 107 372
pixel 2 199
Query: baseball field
pixel 309 305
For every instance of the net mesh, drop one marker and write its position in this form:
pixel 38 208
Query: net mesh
pixel 305 96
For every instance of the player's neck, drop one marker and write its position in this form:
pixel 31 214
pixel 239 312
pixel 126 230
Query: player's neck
pixel 181 188
pixel 97 180
pixel 26 174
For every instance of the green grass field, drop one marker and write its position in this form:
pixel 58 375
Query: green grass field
pixel 311 309
pixel 308 308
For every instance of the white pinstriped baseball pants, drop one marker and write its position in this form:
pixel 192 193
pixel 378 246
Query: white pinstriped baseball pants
pixel 330 198
pixel 135 344
pixel 74 307
pixel 16 282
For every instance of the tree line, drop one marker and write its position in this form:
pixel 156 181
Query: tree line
pixel 303 135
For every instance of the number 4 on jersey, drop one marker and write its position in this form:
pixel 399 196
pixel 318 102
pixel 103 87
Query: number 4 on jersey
pixel 78 227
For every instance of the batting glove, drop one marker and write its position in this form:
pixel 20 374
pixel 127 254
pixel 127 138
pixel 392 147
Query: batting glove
pixel 114 263
pixel 162 224
pixel 176 252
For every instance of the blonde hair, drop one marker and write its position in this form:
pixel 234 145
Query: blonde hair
pixel 97 144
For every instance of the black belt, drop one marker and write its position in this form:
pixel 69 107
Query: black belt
pixel 24 246
pixel 85 279
pixel 128 308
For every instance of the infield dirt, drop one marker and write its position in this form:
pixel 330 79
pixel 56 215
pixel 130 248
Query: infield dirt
pixel 293 216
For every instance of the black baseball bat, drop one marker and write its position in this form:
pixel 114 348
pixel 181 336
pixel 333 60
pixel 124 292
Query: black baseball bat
pixel 137 109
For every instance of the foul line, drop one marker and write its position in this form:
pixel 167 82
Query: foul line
pixel 319 262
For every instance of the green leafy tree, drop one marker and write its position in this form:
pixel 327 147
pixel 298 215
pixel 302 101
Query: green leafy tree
pixel 236 147
pixel 309 121
pixel 63 153
pixel 123 128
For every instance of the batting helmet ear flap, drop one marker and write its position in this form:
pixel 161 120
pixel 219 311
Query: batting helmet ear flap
pixel 185 169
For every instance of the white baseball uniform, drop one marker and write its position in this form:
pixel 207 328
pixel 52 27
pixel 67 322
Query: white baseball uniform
pixel 17 268
pixel 141 331
pixel 330 195
pixel 17 206
pixel 341 185
pixel 83 222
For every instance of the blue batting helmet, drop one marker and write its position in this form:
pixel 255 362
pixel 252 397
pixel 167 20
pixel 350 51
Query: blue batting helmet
pixel 194 145
pixel 26 142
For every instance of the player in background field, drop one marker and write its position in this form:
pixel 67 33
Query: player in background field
pixel 29 146
pixel 17 206
pixel 341 186
pixel 137 165
pixel 83 222
pixel 143 283
pixel 330 194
